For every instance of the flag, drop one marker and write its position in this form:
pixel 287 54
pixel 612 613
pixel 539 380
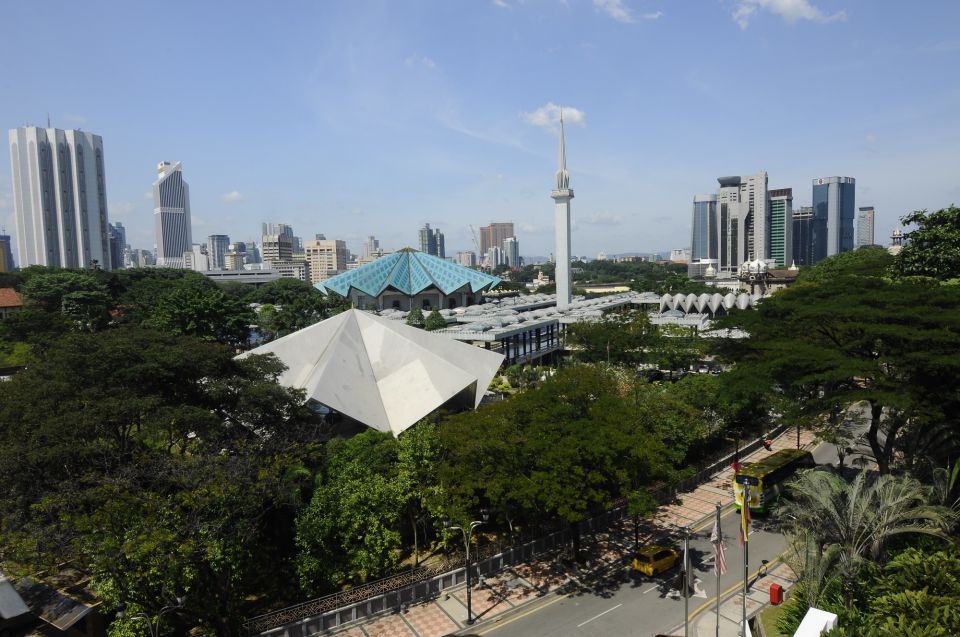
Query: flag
pixel 720 560
pixel 744 532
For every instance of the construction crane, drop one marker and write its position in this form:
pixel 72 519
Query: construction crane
pixel 476 244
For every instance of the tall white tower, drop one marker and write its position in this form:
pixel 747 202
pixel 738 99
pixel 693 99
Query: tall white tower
pixel 561 196
pixel 171 213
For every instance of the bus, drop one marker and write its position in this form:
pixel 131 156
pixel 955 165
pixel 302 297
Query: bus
pixel 765 478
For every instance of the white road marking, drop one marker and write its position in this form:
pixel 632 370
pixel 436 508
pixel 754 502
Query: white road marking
pixel 652 588
pixel 600 615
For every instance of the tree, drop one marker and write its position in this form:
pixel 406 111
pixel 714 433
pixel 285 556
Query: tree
pixel 415 318
pixel 867 261
pixel 933 247
pixel 77 295
pixel 434 321
pixel 862 516
pixel 830 344
pixel 195 307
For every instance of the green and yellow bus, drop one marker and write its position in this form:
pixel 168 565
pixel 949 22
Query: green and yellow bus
pixel 765 478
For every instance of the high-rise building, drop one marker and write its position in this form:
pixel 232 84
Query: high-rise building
pixel 217 247
pixel 371 246
pixel 834 209
pixel 431 241
pixel 277 247
pixel 561 196
pixel 803 235
pixel 865 227
pixel 171 214
pixel 728 225
pixel 6 254
pixel 703 243
pixel 780 227
pixel 326 258
pixel 466 258
pixel 118 243
pixel 60 197
pixel 233 261
pixel 140 258
pixel 197 258
pixel 494 235
pixel 494 257
pixel 511 252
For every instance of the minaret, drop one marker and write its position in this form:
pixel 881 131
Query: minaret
pixel 561 196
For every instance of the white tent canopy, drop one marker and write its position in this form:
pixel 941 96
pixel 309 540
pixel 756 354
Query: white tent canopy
pixel 382 373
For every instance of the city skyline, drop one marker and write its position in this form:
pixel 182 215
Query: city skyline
pixel 435 123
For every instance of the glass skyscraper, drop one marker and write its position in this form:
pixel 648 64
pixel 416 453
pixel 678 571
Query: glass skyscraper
pixel 703 243
pixel 834 216
pixel 780 227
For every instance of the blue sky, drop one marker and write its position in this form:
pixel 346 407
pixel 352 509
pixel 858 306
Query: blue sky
pixel 371 117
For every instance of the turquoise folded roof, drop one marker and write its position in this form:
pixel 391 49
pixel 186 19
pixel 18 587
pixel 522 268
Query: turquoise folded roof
pixel 410 272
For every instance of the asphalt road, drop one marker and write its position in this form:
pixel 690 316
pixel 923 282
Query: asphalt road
pixel 621 604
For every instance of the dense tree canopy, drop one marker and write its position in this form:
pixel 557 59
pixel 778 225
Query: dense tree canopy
pixel 933 246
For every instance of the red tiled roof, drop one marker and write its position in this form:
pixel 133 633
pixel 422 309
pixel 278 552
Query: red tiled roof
pixel 10 298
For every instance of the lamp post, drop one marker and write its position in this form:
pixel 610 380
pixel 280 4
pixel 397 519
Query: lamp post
pixel 153 623
pixel 467 534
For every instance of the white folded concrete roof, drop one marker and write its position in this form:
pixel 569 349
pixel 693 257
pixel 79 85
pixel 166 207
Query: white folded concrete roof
pixel 382 373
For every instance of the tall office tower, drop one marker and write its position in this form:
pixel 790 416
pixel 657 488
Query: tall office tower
pixel 561 196
pixel 431 241
pixel 253 253
pixel 278 228
pixel 728 225
pixel 140 258
pixel 803 235
pixel 494 235
pixel 6 254
pixel 371 246
pixel 60 197
pixel 326 258
pixel 511 252
pixel 494 257
pixel 217 247
pixel 703 242
pixel 232 261
pixel 277 247
pixel 466 258
pixel 865 227
pixel 743 220
pixel 834 206
pixel 780 227
pixel 118 240
pixel 171 214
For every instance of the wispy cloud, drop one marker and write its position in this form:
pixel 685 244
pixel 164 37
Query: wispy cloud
pixel 420 60
pixel 615 9
pixel 789 10
pixel 148 195
pixel 502 4
pixel 652 15
pixel 231 197
pixel 120 209
pixel 548 116
pixel 604 219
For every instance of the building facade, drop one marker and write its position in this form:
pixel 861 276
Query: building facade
pixel 431 241
pixel 118 241
pixel 171 214
pixel 6 254
pixel 326 258
pixel 865 224
pixel 466 258
pixel 834 211
pixel 494 235
pixel 803 235
pixel 780 227
pixel 217 247
pixel 511 252
pixel 704 236
pixel 276 248
pixel 59 197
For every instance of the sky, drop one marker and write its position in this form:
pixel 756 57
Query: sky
pixel 365 117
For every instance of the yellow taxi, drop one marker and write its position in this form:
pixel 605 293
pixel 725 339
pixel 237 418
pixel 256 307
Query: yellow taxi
pixel 652 560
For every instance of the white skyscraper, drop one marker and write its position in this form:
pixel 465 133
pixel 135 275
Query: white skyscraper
pixel 511 252
pixel 60 197
pixel 171 214
pixel 561 196
pixel 865 227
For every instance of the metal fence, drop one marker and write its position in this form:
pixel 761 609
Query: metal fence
pixel 424 583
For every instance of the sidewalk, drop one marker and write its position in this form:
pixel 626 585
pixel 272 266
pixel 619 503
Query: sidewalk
pixel 515 587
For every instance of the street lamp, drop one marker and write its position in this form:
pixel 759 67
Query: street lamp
pixel 153 623
pixel 467 534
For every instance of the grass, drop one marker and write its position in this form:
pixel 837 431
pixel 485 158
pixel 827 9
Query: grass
pixel 768 617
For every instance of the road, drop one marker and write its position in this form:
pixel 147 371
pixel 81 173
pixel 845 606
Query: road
pixel 622 605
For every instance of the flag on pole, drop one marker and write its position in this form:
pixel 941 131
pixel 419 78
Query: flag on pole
pixel 744 531
pixel 720 560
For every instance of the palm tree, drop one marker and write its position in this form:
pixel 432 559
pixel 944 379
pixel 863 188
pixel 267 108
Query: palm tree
pixel 861 516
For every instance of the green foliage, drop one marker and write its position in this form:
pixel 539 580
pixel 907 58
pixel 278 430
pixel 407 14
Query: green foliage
pixel 933 247
pixel 349 531
pixel 196 307
pixel 434 321
pixel 415 318
pixel 850 338
pixel 78 295
pixel 868 261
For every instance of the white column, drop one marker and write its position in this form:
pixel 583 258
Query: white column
pixel 562 248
